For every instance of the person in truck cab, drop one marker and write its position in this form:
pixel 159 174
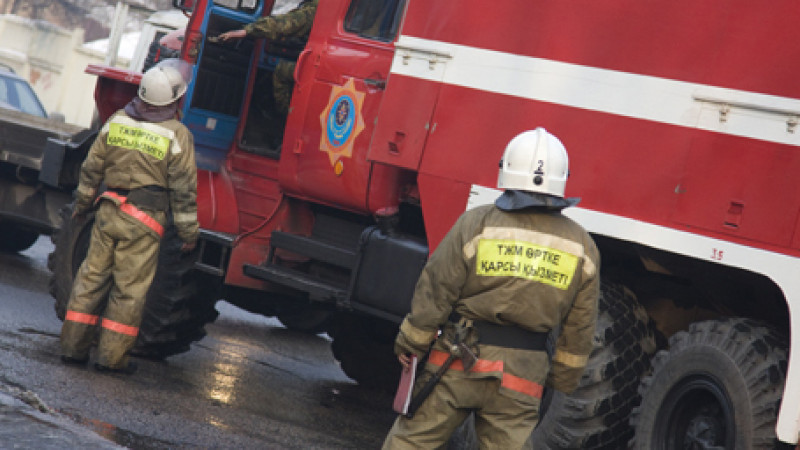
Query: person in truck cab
pixel 294 24
pixel 145 157
pixel 501 280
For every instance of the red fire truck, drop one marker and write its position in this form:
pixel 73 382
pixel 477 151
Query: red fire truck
pixel 680 119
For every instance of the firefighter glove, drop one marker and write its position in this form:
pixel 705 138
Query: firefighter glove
pixel 80 209
pixel 84 198
pixel 187 247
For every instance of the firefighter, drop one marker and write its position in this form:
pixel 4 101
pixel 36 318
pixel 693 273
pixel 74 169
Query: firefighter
pixel 294 24
pixel 501 280
pixel 145 157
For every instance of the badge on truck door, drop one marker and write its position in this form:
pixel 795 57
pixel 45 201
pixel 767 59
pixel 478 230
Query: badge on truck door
pixel 341 121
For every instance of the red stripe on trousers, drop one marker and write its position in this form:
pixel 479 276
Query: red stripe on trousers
pixel 87 319
pixel 135 212
pixel 120 328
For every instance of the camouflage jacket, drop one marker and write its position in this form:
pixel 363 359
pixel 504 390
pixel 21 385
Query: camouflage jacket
pixel 130 154
pixel 295 23
pixel 529 269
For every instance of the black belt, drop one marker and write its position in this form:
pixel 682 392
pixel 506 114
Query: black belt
pixel 149 187
pixel 151 197
pixel 120 191
pixel 508 336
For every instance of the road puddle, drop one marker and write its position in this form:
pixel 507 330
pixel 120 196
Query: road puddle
pixel 26 330
pixel 123 437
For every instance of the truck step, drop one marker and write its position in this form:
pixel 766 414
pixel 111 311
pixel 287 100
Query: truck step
pixel 315 249
pixel 297 280
pixel 214 252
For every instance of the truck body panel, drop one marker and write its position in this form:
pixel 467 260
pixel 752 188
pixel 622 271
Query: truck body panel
pixel 719 126
pixel 679 118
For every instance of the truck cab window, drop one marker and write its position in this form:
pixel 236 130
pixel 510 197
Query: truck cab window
pixel 266 118
pixel 247 6
pixel 263 131
pixel 374 19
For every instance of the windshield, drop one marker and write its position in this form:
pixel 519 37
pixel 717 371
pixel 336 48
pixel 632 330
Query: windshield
pixel 16 94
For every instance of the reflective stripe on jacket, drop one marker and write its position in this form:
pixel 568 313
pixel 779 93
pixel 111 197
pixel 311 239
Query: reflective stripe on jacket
pixel 496 368
pixel 133 211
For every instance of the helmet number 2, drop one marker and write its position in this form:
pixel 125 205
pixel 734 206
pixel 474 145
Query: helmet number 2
pixel 540 168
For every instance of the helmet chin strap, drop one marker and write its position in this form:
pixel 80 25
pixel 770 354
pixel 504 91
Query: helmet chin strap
pixel 516 200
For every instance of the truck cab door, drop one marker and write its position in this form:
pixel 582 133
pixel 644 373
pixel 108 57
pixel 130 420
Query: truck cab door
pixel 339 84
pixel 215 100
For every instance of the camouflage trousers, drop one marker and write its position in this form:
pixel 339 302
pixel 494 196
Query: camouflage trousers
pixel 500 421
pixel 110 288
pixel 282 85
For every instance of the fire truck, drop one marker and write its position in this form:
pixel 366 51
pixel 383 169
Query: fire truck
pixel 681 123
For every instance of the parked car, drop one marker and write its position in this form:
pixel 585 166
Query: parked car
pixel 28 207
pixel 17 94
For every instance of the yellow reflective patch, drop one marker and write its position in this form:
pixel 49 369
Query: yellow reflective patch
pixel 509 258
pixel 570 359
pixel 133 138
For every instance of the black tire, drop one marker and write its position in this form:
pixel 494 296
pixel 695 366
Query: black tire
pixel 364 348
pixel 719 385
pixel 177 307
pixel 307 320
pixel 71 243
pixel 595 415
pixel 15 238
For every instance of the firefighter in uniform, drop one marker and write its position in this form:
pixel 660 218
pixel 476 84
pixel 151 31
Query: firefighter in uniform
pixel 294 24
pixel 145 156
pixel 502 278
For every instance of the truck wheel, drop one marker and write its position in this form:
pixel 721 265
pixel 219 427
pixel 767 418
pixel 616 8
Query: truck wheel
pixel 719 385
pixel 71 242
pixel 177 306
pixel 596 414
pixel 364 348
pixel 15 239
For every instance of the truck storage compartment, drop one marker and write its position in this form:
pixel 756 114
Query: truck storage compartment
pixel 388 271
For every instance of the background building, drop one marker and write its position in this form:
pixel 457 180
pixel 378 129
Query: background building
pixel 49 50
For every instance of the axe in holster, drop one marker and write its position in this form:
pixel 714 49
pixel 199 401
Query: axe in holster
pixel 458 350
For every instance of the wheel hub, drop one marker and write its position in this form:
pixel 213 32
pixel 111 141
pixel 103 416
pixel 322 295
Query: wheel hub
pixel 697 415
pixel 705 431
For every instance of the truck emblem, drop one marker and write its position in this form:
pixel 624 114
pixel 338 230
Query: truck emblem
pixel 341 121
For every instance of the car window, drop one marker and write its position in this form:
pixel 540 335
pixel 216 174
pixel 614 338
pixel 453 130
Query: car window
pixel 27 100
pixel 17 94
pixel 4 91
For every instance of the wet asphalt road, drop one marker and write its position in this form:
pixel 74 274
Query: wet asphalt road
pixel 249 384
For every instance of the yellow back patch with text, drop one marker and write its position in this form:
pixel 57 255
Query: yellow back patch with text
pixel 509 258
pixel 133 138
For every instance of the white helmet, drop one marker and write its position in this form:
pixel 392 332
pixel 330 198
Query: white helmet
pixel 165 82
pixel 534 161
